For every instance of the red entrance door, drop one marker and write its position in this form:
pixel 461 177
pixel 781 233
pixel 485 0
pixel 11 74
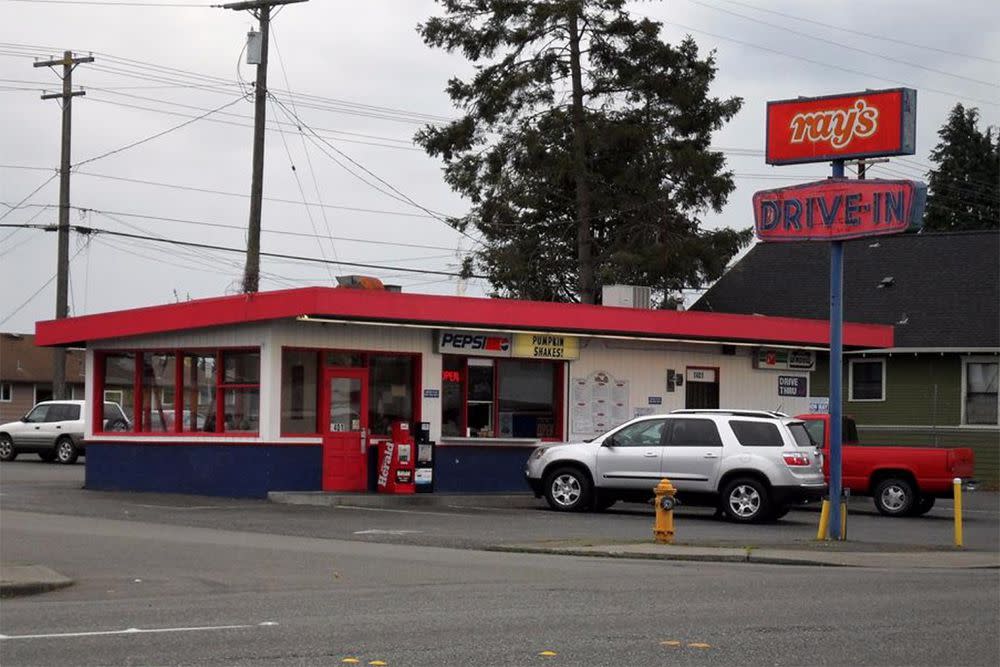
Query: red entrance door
pixel 345 429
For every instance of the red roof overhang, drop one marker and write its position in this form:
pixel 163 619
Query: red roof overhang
pixel 453 312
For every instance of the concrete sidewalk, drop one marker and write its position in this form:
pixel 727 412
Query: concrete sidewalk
pixel 820 554
pixel 17 579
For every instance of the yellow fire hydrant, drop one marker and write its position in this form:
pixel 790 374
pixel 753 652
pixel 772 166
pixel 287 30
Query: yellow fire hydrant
pixel 663 529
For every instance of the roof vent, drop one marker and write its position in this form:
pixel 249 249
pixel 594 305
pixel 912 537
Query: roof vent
pixel 626 296
pixel 360 282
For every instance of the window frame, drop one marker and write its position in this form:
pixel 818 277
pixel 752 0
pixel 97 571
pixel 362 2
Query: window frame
pixel 416 359
pixel 177 430
pixel 850 380
pixel 558 397
pixel 976 359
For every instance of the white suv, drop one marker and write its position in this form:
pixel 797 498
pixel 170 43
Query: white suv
pixel 751 465
pixel 54 430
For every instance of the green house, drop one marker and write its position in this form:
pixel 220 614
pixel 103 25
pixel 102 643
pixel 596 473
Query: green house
pixel 937 386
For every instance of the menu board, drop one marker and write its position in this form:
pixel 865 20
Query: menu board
pixel 599 402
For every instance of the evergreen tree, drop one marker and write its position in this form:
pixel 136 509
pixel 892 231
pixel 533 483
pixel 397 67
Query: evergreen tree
pixel 583 149
pixel 964 188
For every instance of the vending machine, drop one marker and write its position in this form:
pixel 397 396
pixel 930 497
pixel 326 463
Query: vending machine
pixel 424 473
pixel 395 461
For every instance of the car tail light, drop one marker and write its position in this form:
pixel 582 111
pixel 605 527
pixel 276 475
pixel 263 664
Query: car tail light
pixel 795 459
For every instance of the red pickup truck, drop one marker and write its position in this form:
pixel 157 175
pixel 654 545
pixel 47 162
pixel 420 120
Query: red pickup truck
pixel 903 481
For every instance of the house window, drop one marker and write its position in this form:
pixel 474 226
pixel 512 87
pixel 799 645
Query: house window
pixel 6 392
pixel 980 405
pixel 506 398
pixel 867 378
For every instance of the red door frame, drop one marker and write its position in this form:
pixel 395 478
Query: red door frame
pixel 345 453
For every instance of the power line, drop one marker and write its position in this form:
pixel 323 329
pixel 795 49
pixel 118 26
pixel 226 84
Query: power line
pixel 158 134
pixel 240 228
pixel 30 195
pixel 38 291
pixel 881 38
pixel 841 45
pixel 109 3
pixel 207 246
pixel 823 63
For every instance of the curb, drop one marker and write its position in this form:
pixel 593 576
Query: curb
pixel 19 580
pixel 691 558
pixel 753 556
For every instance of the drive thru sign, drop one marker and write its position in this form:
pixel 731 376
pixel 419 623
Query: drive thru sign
pixel 838 128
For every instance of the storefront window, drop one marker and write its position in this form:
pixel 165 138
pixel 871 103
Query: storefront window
pixel 480 398
pixel 119 384
pixel 527 399
pixel 299 369
pixel 184 399
pixel 199 378
pixel 452 403
pixel 158 380
pixel 241 391
pixel 506 398
pixel 345 359
pixel 390 392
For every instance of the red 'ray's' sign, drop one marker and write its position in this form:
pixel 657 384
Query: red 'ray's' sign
pixel 838 209
pixel 838 127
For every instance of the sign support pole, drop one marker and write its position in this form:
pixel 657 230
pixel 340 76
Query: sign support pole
pixel 836 370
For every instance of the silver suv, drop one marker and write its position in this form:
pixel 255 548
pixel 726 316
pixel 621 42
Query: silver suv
pixel 54 430
pixel 751 465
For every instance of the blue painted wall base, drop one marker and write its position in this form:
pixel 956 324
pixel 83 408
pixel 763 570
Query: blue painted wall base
pixel 235 471
pixel 480 469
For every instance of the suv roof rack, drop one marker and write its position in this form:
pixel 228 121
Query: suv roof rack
pixel 772 414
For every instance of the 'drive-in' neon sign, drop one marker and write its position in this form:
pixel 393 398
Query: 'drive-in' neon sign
pixel 838 127
pixel 838 209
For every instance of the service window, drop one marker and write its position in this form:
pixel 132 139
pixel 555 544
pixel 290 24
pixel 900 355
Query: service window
pixel 694 433
pixel 506 398
pixel 158 380
pixel 299 384
pixel 119 383
pixel 390 391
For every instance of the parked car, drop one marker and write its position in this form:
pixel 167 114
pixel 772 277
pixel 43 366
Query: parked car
pixel 54 430
pixel 751 465
pixel 902 481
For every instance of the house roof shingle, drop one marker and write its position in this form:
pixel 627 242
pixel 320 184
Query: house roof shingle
pixel 22 361
pixel 944 291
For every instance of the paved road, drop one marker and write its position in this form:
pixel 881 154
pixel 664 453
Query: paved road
pixel 152 593
pixel 203 581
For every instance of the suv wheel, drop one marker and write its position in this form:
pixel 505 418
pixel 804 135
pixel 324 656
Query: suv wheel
pixel 66 451
pixel 7 451
pixel 745 500
pixel 567 490
pixel 895 496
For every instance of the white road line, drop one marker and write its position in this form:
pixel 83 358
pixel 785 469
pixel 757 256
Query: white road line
pixel 135 631
pixel 189 507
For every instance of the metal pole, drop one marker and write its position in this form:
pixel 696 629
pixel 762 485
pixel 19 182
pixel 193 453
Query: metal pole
pixel 836 370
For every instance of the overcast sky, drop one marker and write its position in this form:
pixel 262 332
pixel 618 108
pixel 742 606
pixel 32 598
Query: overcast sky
pixel 363 80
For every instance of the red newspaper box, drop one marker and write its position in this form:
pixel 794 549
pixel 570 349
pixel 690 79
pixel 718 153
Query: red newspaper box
pixel 396 463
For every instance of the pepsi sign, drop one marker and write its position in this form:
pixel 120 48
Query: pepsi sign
pixel 474 344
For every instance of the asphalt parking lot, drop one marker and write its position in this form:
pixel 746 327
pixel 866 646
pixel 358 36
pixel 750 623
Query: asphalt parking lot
pixel 485 521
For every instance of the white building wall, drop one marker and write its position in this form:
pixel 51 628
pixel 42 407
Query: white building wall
pixel 644 365
pixel 374 338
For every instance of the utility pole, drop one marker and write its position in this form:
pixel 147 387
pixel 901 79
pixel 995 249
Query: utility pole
pixel 68 63
pixel 261 9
